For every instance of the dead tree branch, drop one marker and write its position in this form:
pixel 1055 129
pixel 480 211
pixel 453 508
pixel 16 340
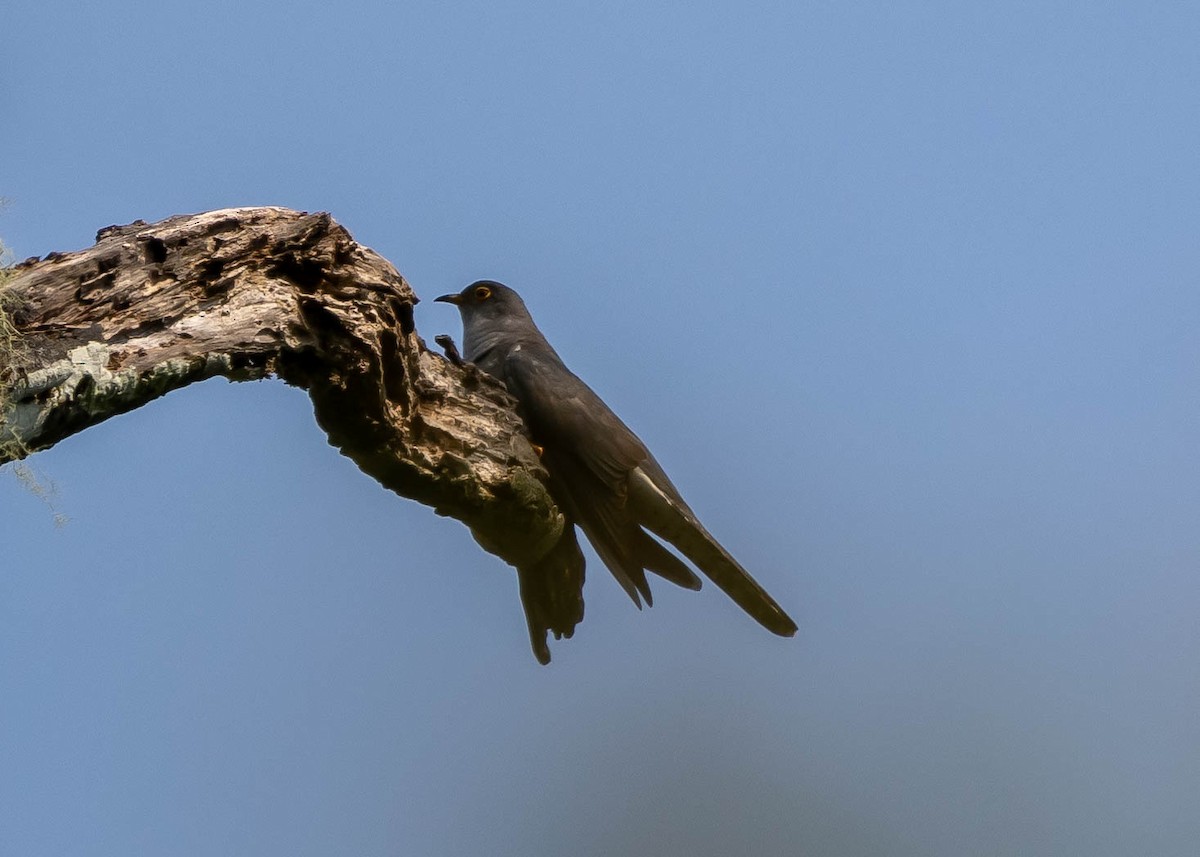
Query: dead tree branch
pixel 254 292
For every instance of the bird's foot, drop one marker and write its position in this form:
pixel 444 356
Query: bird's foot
pixel 447 342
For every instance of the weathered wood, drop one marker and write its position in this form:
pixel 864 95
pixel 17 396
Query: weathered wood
pixel 255 292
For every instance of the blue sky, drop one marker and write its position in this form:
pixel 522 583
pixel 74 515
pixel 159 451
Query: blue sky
pixel 904 296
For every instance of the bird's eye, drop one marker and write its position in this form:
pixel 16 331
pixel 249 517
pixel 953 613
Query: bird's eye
pixel 483 293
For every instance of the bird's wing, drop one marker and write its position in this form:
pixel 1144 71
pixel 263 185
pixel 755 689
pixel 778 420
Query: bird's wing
pixel 589 453
pixel 565 414
pixel 613 487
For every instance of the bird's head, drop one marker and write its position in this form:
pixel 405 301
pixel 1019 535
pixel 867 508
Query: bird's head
pixel 487 302
pixel 492 314
pixel 484 297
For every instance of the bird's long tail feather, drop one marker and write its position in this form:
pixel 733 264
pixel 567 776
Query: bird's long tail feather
pixel 675 524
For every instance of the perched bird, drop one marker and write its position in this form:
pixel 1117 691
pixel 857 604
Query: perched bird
pixel 601 476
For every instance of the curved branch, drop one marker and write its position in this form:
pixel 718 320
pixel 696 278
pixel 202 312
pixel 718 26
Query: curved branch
pixel 253 292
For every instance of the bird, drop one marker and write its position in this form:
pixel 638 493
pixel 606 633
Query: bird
pixel 602 477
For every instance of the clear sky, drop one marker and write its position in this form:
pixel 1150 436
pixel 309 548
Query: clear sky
pixel 904 296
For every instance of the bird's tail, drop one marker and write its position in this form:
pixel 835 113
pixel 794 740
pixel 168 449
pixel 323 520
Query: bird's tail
pixel 674 522
pixel 552 593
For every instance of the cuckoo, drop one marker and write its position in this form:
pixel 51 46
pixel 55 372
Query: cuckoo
pixel 602 477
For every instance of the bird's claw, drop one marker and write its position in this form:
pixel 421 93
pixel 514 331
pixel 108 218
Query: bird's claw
pixel 450 349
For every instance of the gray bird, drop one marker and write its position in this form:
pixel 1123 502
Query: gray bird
pixel 601 476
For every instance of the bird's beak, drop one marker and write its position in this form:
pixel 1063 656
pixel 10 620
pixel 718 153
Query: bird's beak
pixel 450 299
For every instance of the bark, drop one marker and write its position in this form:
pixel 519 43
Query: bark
pixel 256 292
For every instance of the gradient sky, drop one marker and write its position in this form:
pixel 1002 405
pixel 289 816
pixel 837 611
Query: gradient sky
pixel 904 296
